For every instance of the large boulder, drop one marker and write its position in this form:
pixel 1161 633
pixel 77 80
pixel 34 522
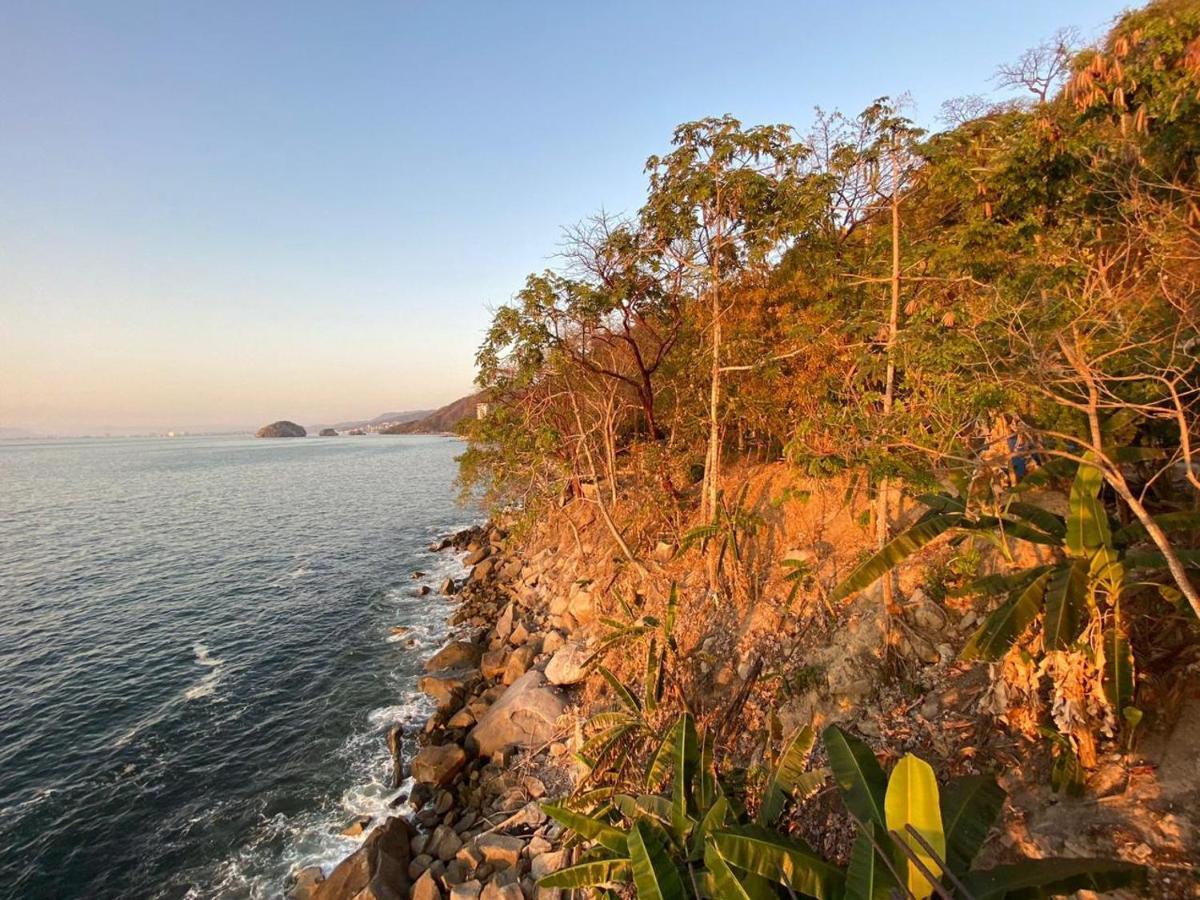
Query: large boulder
pixel 567 665
pixel 455 653
pixel 448 687
pixel 524 715
pixel 378 870
pixel 438 765
pixel 281 429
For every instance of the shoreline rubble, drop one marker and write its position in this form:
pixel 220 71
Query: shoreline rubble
pixel 471 827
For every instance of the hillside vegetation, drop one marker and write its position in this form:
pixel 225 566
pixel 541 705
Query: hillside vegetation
pixel 890 429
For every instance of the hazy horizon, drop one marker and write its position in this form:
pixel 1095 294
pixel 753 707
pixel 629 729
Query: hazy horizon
pixel 220 215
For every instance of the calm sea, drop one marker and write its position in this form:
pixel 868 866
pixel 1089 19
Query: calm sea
pixel 197 670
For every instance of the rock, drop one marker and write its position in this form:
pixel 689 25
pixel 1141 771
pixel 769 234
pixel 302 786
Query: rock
pixel 504 624
pixel 281 429
pixel 426 888
pixel 553 642
pixel 483 570
pixel 501 850
pixel 438 765
pixel 518 664
pixel 519 635
pixel 534 787
pixel 456 873
pixel 306 883
pixel 446 687
pixel 506 892
pixel 581 607
pixel 454 654
pixel 444 843
pixel 470 855
pixel 357 827
pixel 663 552
pixel 468 890
pixel 328 432
pixel 566 666
pixel 464 718
pixel 548 862
pixel 477 557
pixel 525 715
pixel 378 870
pixel 395 742
pixel 419 865
pixel 492 663
pixel 447 587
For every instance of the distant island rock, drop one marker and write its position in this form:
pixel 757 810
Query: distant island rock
pixel 327 432
pixel 281 429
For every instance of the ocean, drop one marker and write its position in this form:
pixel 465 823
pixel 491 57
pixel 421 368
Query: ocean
pixel 197 665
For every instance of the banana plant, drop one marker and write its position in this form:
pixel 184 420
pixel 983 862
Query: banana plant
pixel 915 839
pixel 696 841
pixel 615 736
pixel 1077 597
pixel 731 526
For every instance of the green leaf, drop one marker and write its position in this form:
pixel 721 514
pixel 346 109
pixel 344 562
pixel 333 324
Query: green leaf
pixel 1066 596
pixel 687 756
pixel 1045 520
pixel 895 552
pixel 623 693
pixel 858 776
pixel 1118 668
pixel 664 756
pixel 726 884
pixel 868 876
pixel 970 806
pixel 767 853
pixel 1186 520
pixel 1037 878
pixel 1087 522
pixel 589 874
pixel 992 585
pixel 587 827
pixel 912 802
pixel 654 873
pixel 643 805
pixel 650 684
pixel 787 775
pixel 1006 624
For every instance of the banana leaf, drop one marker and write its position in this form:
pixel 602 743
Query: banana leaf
pixel 896 551
pixel 857 774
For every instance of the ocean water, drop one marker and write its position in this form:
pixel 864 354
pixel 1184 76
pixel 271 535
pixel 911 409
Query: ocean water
pixel 197 670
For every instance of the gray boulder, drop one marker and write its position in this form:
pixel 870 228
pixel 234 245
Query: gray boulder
pixel 378 870
pixel 567 665
pixel 524 715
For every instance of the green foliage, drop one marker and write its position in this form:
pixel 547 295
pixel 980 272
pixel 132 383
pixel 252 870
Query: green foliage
pixel 695 841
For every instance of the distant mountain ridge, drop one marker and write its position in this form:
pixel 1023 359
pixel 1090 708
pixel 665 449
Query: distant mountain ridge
pixel 440 421
pixel 378 423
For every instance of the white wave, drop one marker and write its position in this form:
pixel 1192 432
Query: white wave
pixel 203 658
pixel 206 686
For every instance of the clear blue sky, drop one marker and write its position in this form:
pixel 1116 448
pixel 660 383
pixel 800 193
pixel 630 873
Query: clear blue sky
pixel 214 214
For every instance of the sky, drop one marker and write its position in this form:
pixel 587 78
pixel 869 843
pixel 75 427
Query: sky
pixel 218 214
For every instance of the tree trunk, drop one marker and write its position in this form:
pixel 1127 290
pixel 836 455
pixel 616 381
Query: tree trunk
pixel 882 518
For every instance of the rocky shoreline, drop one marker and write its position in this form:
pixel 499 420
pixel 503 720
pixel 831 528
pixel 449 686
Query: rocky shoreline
pixel 471 826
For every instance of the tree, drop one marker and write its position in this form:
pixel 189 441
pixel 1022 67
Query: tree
pixel 719 203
